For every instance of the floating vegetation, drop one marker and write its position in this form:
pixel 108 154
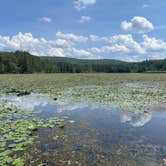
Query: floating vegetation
pixel 134 92
pixel 137 98
pixel 17 131
pixel 31 133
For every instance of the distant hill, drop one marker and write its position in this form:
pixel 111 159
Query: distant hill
pixel 23 62
pixel 81 61
pixel 111 65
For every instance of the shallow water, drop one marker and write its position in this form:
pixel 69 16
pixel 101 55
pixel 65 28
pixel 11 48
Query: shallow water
pixel 30 102
pixel 100 136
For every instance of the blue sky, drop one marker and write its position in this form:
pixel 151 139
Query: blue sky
pixel 130 30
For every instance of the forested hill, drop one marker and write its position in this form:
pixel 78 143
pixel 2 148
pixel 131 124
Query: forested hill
pixel 81 61
pixel 109 65
pixel 23 62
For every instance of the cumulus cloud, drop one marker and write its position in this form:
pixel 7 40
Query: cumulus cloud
pixel 81 53
pixel 95 38
pixel 137 25
pixel 64 43
pixel 111 49
pixel 82 4
pixel 72 37
pixel 42 47
pixel 153 44
pixel 84 19
pixel 129 42
pixel 122 46
pixel 45 19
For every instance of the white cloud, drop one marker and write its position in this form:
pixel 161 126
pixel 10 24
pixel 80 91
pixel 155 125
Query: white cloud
pixel 80 38
pixel 45 19
pixel 43 47
pixel 111 49
pixel 95 38
pixel 64 43
pixel 153 44
pixel 137 25
pixel 122 47
pixel 53 51
pixel 71 36
pixel 84 19
pixel 81 53
pixel 129 42
pixel 82 4
pixel 121 44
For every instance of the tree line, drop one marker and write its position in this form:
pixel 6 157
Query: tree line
pixel 23 62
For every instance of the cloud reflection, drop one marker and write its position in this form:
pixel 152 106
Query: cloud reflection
pixel 136 120
pixel 30 102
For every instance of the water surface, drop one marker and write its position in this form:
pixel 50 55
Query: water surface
pixel 99 136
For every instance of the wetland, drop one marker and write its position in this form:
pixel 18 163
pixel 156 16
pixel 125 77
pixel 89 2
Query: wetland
pixel 83 119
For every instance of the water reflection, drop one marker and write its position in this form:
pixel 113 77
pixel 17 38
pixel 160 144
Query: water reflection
pixel 72 107
pixel 99 136
pixel 136 120
pixel 104 138
pixel 42 102
pixel 30 102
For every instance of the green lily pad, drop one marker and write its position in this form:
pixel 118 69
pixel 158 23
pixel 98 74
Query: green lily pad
pixel 18 162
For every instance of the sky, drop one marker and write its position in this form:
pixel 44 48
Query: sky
pixel 129 30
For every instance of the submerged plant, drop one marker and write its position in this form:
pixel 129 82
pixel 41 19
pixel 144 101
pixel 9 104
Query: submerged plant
pixel 17 132
pixel 136 93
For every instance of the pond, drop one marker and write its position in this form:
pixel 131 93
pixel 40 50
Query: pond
pixel 95 136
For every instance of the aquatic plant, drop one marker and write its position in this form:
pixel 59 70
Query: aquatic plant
pixel 17 132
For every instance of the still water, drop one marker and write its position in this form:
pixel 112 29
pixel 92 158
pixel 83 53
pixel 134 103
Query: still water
pixel 99 136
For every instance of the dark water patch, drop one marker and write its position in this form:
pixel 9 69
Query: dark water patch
pixel 102 137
